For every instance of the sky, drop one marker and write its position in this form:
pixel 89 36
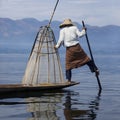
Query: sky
pixel 93 12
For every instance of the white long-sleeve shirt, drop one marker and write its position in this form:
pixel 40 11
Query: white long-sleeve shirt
pixel 69 36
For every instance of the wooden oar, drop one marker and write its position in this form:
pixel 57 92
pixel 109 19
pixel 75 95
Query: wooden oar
pixel 98 80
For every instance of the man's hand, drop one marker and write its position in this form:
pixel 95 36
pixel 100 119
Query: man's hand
pixel 84 28
pixel 55 47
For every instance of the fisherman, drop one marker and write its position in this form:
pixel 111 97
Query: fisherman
pixel 75 55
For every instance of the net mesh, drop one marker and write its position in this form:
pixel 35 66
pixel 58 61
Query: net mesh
pixel 44 63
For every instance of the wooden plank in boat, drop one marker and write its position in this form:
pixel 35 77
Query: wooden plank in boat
pixel 40 87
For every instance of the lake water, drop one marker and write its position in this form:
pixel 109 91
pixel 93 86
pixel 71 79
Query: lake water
pixel 80 102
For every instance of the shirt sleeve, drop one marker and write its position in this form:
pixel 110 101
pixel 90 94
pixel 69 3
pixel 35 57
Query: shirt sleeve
pixel 61 39
pixel 80 33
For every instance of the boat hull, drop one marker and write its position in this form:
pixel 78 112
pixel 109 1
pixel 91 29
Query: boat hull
pixel 39 87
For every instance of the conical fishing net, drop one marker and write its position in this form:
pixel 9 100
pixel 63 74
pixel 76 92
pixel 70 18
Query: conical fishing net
pixel 44 63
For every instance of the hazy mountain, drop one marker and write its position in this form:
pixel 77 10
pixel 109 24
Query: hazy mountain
pixel 18 35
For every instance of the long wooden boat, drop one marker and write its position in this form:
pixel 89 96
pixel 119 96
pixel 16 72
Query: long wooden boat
pixel 39 87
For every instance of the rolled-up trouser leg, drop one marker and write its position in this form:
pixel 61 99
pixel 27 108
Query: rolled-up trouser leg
pixel 92 66
pixel 68 75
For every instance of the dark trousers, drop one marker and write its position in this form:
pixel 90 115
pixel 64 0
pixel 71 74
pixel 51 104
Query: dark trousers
pixel 91 66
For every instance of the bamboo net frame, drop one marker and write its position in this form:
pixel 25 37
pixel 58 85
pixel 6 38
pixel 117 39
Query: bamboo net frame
pixel 44 65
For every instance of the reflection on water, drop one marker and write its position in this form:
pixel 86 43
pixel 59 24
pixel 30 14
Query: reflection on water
pixel 49 106
pixel 60 105
pixel 43 108
pixel 76 113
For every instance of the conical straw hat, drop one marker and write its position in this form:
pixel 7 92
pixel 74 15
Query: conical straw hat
pixel 66 22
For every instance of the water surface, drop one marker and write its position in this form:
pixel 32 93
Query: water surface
pixel 80 102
